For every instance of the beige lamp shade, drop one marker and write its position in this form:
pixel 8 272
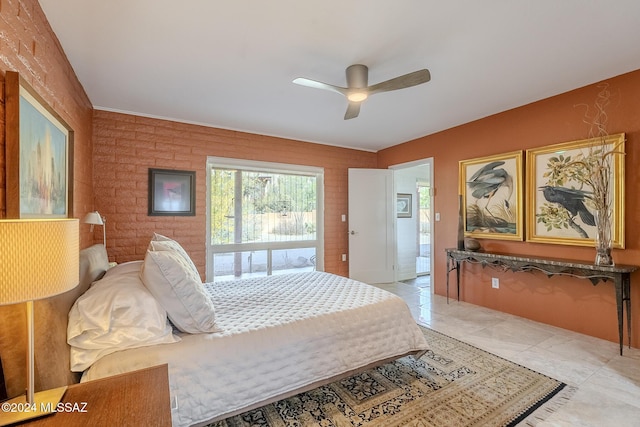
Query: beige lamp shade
pixel 39 258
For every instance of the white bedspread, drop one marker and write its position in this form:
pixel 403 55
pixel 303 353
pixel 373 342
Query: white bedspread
pixel 277 334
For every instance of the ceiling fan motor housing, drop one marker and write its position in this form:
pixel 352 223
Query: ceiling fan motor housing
pixel 357 76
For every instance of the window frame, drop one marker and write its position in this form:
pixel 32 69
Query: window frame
pixel 270 167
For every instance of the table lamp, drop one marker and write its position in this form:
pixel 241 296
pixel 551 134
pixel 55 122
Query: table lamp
pixel 39 258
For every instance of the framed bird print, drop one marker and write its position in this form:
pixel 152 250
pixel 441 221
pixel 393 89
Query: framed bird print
pixel 491 189
pixel 560 206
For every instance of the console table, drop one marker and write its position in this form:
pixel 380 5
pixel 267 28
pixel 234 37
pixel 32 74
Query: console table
pixel 620 275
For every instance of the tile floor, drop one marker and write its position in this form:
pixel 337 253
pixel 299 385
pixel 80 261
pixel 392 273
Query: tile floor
pixel 608 385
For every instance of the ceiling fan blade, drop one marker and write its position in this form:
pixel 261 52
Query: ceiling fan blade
pixel 352 110
pixel 319 85
pixel 408 80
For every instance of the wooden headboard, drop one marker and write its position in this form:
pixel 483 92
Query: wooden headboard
pixel 52 368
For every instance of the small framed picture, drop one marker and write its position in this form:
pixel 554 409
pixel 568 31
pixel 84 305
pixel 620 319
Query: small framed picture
pixel 403 205
pixel 172 192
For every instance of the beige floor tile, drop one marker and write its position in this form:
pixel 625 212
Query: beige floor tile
pixel 608 385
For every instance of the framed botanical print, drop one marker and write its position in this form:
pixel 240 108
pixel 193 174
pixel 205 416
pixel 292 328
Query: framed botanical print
pixel 39 153
pixel 560 198
pixel 491 189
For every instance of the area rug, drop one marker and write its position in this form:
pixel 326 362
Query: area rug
pixel 453 384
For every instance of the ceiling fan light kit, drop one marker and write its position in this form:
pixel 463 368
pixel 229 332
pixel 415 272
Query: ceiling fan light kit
pixel 357 96
pixel 358 89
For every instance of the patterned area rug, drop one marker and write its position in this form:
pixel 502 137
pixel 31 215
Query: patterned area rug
pixel 454 384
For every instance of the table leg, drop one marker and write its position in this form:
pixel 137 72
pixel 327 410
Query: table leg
pixel 453 264
pixel 619 306
pixel 449 262
pixel 458 279
pixel 626 295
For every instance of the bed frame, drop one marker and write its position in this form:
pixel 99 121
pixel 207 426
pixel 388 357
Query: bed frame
pixel 52 367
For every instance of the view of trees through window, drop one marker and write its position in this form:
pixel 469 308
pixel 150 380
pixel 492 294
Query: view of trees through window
pixel 262 222
pixel 249 206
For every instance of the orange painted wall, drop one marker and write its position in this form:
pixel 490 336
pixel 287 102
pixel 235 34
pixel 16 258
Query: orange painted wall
pixel 29 46
pixel 565 302
pixel 126 146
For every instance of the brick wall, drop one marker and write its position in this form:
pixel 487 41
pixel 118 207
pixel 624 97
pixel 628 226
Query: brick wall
pixel 126 146
pixel 29 46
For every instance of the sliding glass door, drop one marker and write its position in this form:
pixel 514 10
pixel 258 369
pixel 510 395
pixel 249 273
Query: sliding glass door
pixel 263 219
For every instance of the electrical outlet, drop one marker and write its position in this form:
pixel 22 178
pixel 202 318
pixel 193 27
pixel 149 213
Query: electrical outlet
pixel 495 283
pixel 344 257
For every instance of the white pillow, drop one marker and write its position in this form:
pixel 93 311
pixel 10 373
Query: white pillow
pixel 124 268
pixel 164 243
pixel 178 288
pixel 115 313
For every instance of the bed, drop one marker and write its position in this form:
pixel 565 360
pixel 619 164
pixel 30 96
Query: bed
pixel 270 337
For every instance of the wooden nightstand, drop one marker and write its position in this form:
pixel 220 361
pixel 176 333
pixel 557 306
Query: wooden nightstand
pixel 138 398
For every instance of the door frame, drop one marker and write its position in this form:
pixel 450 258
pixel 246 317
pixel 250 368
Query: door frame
pixel 421 162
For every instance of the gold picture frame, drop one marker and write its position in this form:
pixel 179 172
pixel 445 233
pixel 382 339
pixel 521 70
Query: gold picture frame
pixel 491 189
pixel 548 220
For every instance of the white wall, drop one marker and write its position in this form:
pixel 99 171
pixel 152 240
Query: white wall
pixel 407 228
pixel 406 178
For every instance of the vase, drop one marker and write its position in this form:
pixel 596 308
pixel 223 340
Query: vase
pixel 603 241
pixel 460 244
pixel 471 244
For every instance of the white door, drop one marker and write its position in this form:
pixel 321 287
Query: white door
pixel 371 225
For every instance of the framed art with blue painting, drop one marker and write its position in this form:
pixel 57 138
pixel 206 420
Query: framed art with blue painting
pixel 39 155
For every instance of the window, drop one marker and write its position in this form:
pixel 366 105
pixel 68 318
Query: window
pixel 263 219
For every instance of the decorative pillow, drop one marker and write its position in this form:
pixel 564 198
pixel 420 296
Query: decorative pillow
pixel 178 288
pixel 164 243
pixel 115 313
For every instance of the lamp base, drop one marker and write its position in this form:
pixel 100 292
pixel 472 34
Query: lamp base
pixel 17 409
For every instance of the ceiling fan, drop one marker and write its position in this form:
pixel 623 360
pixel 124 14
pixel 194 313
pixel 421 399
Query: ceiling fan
pixel 357 89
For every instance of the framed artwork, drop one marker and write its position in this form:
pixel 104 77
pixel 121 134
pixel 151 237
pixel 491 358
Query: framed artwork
pixel 403 205
pixel 491 189
pixel 560 209
pixel 39 155
pixel 172 192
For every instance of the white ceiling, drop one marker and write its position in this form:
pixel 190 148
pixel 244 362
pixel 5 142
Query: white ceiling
pixel 229 64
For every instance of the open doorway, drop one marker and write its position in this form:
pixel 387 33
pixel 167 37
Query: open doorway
pixel 423 254
pixel 414 238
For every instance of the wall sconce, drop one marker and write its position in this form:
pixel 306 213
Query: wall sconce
pixel 94 218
